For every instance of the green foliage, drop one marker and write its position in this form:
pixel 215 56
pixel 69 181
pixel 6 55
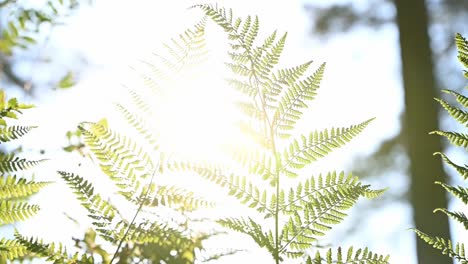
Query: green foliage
pixel 14 190
pixel 360 256
pixel 304 151
pixel 11 249
pixel 14 132
pixel 75 142
pixel 26 25
pixel 23 22
pixel 459 139
pixel 67 81
pixel 55 253
pixel 273 101
pixel 159 229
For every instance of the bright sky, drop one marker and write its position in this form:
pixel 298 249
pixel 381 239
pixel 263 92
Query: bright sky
pixel 115 34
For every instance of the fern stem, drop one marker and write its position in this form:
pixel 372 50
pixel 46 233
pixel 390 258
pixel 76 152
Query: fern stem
pixel 145 196
pixel 277 221
pixel 270 129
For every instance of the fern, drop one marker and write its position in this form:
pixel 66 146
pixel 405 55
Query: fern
pixel 11 163
pixel 274 101
pixel 99 210
pixel 55 253
pixel 14 132
pixel 295 98
pixel 12 187
pixel 173 197
pixel 352 257
pixel 11 249
pixel 120 158
pixel 318 144
pixel 14 190
pixel 446 246
pixel 11 212
pixel 132 164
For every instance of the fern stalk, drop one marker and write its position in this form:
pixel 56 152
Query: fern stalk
pixel 271 130
pixel 140 206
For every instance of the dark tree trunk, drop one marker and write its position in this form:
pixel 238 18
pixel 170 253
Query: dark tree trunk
pixel 421 118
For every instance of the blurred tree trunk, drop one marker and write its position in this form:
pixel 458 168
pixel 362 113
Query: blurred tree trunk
pixel 421 117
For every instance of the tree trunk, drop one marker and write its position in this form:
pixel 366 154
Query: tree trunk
pixel 421 117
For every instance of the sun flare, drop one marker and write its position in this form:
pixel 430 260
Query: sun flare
pixel 192 112
pixel 200 119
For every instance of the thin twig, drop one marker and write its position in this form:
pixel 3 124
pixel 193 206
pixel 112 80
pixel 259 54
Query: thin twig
pixel 134 217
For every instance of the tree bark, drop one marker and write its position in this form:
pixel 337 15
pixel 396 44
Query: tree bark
pixel 421 117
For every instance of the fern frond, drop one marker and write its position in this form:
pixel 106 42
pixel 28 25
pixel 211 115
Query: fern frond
pixel 271 58
pixel 458 114
pixel 11 211
pixel 459 191
pixel 52 252
pixel 317 145
pixel 239 69
pixel 219 16
pixel 251 228
pixel 283 78
pixel 100 211
pixel 256 162
pixel 445 246
pixel 259 51
pixel 463 100
pixel 172 196
pixel 11 249
pixel 294 99
pixel 252 31
pixel 14 132
pixel 141 103
pixel 186 51
pixel 248 193
pixel 12 187
pixel 459 216
pixel 305 193
pixel 140 125
pixel 462 46
pixel 361 256
pixel 11 163
pixel 151 232
pixel 150 81
pixel 243 87
pixel 251 111
pixel 462 170
pixel 119 157
pixel 459 139
pixel 237 186
pixel 324 210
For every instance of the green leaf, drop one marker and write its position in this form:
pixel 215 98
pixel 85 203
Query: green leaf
pixel 67 81
pixel 304 151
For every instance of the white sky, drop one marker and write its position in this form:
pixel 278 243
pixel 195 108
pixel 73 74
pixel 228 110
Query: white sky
pixel 361 81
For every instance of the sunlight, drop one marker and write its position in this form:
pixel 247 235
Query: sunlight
pixel 197 115
pixel 192 110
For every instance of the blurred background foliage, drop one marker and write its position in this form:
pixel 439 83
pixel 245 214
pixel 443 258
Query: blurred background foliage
pixel 27 60
pixel 426 31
